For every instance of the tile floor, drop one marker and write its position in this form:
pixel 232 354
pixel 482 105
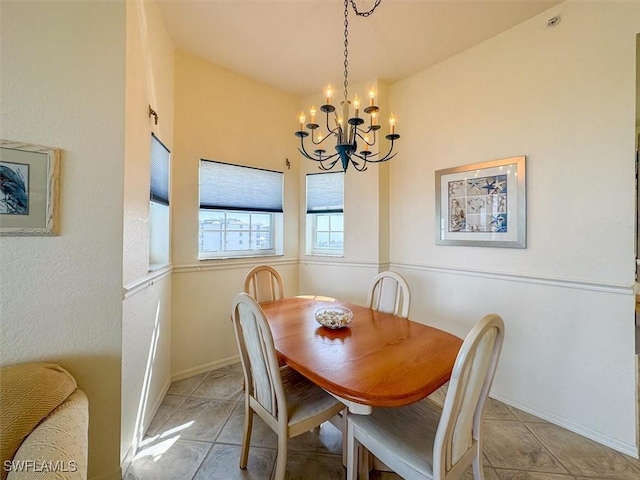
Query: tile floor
pixel 197 432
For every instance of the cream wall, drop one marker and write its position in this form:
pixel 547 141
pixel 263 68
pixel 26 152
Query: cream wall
pixel 565 98
pixel 220 115
pixel 63 85
pixel 146 320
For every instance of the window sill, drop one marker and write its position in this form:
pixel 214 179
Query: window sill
pixel 239 257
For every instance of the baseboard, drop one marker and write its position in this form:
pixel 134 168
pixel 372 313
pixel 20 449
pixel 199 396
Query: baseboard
pixel 190 372
pixel 622 447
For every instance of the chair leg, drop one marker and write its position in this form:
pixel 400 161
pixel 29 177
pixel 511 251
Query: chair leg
pixel 365 463
pixel 478 472
pixel 246 439
pixel 343 414
pixel 281 459
pixel 352 451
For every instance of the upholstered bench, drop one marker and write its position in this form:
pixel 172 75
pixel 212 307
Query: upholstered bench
pixel 44 419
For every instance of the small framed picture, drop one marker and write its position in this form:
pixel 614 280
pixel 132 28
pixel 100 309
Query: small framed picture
pixel 483 204
pixel 28 189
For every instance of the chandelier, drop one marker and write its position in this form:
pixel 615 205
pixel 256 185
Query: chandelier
pixel 352 133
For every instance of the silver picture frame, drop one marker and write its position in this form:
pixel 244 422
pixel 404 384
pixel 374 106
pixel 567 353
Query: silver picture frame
pixel 29 180
pixel 482 204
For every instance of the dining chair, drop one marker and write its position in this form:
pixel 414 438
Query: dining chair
pixel 422 441
pixel 264 283
pixel 389 293
pixel 287 402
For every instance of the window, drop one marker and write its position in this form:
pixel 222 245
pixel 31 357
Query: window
pixel 325 218
pixel 159 232
pixel 240 211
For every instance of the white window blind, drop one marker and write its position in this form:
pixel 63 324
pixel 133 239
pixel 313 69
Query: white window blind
pixel 325 192
pixel 233 187
pixel 159 171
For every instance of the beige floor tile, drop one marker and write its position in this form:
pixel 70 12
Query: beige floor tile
pixel 221 385
pixel 328 440
pixel 496 410
pixel 584 457
pixel 167 458
pixel 261 434
pixel 509 445
pixel 526 417
pixel 187 386
pixel 200 419
pixel 222 463
pixel 520 475
pixel 311 466
pixel 170 403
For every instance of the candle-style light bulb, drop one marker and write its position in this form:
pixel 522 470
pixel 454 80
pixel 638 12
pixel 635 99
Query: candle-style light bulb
pixel 366 143
pixel 392 123
pixel 372 96
pixel 302 118
pixel 374 120
pixel 329 93
pixel 356 105
pixel 320 137
pixel 312 112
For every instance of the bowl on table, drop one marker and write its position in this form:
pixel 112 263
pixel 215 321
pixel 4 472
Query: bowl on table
pixel 334 317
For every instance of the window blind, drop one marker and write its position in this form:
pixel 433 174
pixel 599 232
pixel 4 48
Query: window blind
pixel 159 171
pixel 325 192
pixel 234 187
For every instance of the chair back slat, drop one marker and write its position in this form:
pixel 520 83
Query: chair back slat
pixel 258 354
pixel 469 386
pixel 264 284
pixel 389 293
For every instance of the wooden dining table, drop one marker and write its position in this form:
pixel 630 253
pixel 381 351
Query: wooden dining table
pixel 379 360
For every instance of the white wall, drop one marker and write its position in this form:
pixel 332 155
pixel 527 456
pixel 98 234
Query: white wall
pixel 63 85
pixel 220 115
pixel 565 98
pixel 146 322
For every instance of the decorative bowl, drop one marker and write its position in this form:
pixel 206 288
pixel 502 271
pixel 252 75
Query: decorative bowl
pixel 334 317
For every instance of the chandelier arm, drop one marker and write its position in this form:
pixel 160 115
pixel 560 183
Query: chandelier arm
pixel 307 155
pixel 322 167
pixel 357 166
pixel 386 158
pixel 363 139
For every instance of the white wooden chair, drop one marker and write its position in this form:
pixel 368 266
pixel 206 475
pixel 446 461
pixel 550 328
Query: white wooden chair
pixel 264 283
pixel 424 442
pixel 287 402
pixel 389 293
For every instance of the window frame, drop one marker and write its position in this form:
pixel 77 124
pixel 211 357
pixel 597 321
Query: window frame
pixel 241 206
pixel 159 228
pixel 315 210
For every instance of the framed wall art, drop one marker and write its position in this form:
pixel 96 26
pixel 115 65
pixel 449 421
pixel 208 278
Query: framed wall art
pixel 483 204
pixel 28 189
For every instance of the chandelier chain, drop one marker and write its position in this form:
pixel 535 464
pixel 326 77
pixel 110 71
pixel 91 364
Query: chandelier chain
pixel 346 48
pixel 364 14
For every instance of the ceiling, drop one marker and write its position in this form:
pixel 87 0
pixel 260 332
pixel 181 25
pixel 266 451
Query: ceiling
pixel 298 46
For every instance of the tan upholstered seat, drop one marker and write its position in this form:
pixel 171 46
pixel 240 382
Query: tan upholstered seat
pixel 43 420
pixel 424 442
pixel 287 402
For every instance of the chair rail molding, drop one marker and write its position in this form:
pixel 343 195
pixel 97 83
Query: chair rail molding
pixel 619 289
pixel 146 281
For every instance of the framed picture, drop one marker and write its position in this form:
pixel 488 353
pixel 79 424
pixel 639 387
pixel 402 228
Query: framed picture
pixel 28 189
pixel 482 204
